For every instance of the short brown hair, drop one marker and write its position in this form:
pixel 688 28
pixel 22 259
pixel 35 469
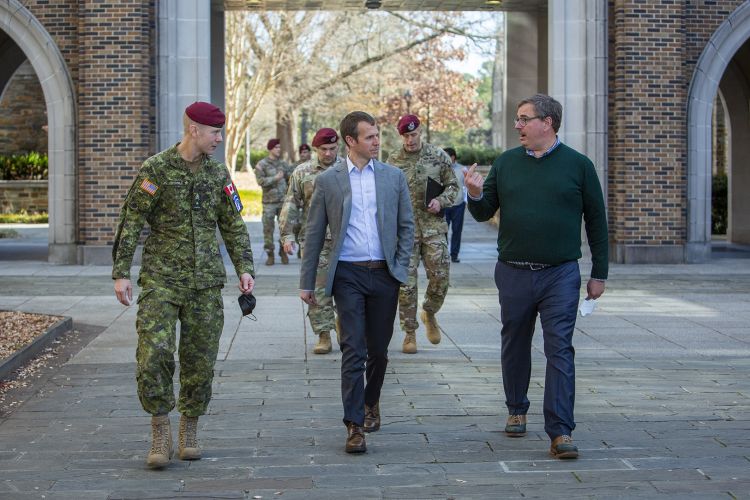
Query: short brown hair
pixel 545 106
pixel 350 122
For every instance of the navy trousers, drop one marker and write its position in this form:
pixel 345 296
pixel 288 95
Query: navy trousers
pixel 366 301
pixel 553 293
pixel 455 218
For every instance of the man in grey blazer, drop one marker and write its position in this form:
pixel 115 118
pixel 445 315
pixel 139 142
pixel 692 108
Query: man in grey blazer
pixel 365 205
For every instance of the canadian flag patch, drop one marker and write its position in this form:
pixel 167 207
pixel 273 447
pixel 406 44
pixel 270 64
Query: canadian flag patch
pixel 233 195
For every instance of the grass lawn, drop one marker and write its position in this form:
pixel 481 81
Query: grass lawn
pixel 251 200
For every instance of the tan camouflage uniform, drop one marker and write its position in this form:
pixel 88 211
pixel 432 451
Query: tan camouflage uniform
pixel 181 275
pixel 274 191
pixel 294 214
pixel 430 230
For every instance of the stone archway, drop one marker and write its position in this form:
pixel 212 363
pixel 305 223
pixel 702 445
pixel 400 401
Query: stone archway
pixel 712 64
pixel 57 85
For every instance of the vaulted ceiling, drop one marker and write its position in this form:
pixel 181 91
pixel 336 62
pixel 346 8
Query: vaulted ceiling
pixel 412 5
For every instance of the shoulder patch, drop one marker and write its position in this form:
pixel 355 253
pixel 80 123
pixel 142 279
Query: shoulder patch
pixel 149 187
pixel 234 196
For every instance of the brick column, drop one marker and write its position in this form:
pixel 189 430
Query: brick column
pixel 115 105
pixel 647 155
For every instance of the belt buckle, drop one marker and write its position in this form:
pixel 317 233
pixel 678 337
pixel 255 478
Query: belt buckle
pixel 537 267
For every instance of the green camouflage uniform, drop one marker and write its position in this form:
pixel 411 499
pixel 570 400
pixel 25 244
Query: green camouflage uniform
pixel 294 214
pixel 430 230
pixel 181 275
pixel 274 191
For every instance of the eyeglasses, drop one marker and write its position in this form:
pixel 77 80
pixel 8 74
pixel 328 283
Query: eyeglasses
pixel 522 121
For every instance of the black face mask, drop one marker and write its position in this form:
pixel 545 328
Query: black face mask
pixel 247 303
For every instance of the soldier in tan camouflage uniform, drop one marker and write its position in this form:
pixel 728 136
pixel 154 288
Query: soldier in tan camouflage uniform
pixel 420 160
pixel 183 194
pixel 296 206
pixel 272 174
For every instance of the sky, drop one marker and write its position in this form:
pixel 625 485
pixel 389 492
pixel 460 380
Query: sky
pixel 476 54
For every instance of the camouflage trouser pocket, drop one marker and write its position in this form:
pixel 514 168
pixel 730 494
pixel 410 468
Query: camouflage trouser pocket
pixel 144 293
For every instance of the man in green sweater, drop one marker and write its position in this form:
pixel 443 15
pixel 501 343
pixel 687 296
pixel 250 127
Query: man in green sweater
pixel 542 189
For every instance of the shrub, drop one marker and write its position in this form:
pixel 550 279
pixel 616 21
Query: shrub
pixel 255 156
pixel 719 204
pixel 481 156
pixel 29 166
pixel 24 217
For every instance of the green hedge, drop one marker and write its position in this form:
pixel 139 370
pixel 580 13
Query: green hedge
pixel 719 204
pixel 30 166
pixel 255 156
pixel 481 156
pixel 23 217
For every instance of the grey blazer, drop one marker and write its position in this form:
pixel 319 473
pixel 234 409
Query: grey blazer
pixel 331 206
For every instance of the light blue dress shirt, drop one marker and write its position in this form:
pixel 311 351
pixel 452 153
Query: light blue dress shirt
pixel 362 240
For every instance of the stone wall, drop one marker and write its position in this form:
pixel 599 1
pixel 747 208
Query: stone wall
pixel 16 196
pixel 22 114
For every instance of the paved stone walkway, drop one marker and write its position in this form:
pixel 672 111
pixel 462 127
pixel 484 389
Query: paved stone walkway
pixel 663 397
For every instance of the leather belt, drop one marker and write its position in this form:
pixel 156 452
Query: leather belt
pixel 371 264
pixel 529 266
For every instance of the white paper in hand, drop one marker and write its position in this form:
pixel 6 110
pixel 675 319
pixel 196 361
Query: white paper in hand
pixel 588 306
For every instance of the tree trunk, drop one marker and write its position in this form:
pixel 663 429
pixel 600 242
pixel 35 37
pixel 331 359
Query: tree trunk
pixel 285 133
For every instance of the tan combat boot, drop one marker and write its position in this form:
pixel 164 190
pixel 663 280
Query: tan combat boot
pixel 284 256
pixel 269 260
pixel 161 442
pixel 431 325
pixel 324 343
pixel 187 439
pixel 410 343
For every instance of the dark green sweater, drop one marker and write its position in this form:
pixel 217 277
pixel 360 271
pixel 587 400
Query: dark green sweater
pixel 541 201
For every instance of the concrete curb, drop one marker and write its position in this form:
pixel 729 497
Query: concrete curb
pixel 16 360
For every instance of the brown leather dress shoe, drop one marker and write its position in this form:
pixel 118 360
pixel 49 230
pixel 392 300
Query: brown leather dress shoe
pixel 516 426
pixel 355 439
pixel 563 447
pixel 372 418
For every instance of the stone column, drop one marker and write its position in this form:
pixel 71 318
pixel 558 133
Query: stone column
pixel 523 64
pixel 578 76
pixel 217 67
pixel 183 62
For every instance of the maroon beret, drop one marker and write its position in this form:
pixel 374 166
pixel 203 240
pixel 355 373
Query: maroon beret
pixel 325 136
pixel 272 143
pixel 407 123
pixel 206 113
pixel 304 147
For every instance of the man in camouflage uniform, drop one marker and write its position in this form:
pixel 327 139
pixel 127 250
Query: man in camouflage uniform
pixel 272 174
pixel 305 153
pixel 420 160
pixel 294 214
pixel 183 194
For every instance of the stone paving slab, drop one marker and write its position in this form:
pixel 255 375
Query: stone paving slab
pixel 662 406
